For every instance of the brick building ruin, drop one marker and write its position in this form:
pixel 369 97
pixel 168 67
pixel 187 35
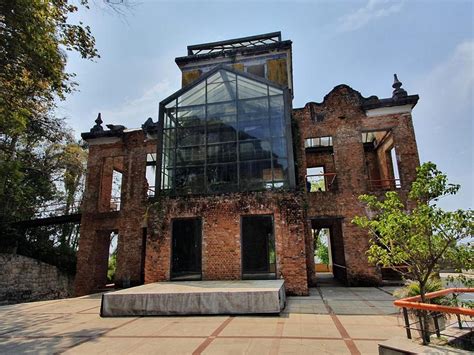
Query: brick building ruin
pixel 234 183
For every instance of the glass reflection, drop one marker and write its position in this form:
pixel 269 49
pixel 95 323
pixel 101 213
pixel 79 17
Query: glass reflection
pixel 225 134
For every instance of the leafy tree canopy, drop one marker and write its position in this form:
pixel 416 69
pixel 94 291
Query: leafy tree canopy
pixel 419 235
pixel 39 160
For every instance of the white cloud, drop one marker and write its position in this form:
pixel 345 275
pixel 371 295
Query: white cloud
pixel 444 117
pixel 133 112
pixel 374 9
pixel 449 85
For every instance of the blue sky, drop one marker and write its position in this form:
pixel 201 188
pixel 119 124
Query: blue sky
pixel 429 44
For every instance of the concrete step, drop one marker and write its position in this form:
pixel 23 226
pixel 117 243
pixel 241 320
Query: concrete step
pixel 196 297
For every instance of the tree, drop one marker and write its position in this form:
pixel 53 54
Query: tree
pixel 418 234
pixel 321 247
pixel 34 35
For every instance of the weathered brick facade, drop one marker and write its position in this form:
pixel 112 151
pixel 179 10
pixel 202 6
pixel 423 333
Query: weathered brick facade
pixel 353 165
pixel 128 151
pixel 221 243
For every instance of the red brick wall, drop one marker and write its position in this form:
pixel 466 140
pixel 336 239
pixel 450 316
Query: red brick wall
pixel 127 153
pixel 344 120
pixel 221 254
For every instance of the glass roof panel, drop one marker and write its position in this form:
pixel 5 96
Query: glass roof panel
pixel 194 96
pixel 274 91
pixel 250 88
pixel 221 87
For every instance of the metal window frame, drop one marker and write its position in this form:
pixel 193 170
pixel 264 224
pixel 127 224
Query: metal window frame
pixel 286 117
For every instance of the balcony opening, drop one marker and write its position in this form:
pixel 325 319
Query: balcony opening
pixel 320 172
pixel 111 184
pixel 380 160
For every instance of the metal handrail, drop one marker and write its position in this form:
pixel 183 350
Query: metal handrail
pixel 384 184
pixel 411 302
pixel 434 309
pixel 328 185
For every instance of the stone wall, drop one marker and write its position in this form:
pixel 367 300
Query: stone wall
pixel 24 279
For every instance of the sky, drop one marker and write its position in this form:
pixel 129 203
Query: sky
pixel 429 44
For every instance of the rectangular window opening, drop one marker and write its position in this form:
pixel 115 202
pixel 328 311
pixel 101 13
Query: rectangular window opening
pixel 258 70
pixel 316 179
pixel 318 142
pixel 115 197
pixel 381 160
pixel 150 174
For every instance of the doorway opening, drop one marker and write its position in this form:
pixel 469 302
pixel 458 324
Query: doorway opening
pixel 328 246
pixel 186 256
pixel 106 259
pixel 258 247
pixel 322 251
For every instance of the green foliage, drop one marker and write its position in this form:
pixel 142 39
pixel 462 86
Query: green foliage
pixel 39 161
pixel 321 249
pixel 412 288
pixel 323 254
pixel 419 235
pixel 112 267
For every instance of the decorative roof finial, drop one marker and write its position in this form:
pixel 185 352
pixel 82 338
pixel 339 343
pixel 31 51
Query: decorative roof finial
pixel 398 92
pixel 98 124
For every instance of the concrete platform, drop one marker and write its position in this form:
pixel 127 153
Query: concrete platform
pixel 196 297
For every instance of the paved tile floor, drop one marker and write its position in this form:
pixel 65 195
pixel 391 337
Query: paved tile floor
pixel 332 320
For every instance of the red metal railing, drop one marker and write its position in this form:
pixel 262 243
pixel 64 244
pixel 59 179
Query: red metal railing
pixel 413 302
pixel 329 182
pixel 434 310
pixel 384 184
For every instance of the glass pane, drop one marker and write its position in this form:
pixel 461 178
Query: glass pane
pixel 168 138
pixel 258 70
pixel 170 118
pixel 190 179
pixel 168 158
pixel 194 96
pixel 253 130
pixel 276 105
pixel 279 148
pixel 274 91
pixel 277 126
pixel 221 87
pixel 221 133
pixel 191 136
pixel 222 153
pixel 221 113
pixel 222 177
pixel 254 150
pixel 253 175
pixel 191 115
pixel 280 169
pixel 250 88
pixel 253 109
pixel 190 156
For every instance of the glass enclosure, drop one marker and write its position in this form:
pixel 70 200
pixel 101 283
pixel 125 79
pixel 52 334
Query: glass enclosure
pixel 225 134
